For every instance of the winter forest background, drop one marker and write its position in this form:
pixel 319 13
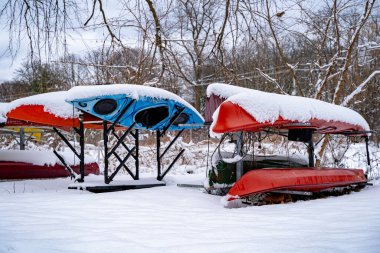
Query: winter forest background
pixel 327 50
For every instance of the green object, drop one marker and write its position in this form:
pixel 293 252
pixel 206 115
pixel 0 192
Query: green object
pixel 223 175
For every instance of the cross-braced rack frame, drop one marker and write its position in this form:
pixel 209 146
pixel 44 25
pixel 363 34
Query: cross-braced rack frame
pixel 159 134
pixel 80 155
pixel 131 152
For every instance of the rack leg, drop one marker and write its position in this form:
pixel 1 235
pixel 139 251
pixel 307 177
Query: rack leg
pixel 105 141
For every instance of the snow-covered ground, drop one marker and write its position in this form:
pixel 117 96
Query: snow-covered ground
pixel 44 216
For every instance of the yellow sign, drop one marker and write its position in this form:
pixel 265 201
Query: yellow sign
pixel 35 132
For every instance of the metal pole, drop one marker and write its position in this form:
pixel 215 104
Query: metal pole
pixel 125 109
pixel 137 154
pixel 81 143
pixel 171 143
pixel 22 138
pixel 311 152
pixel 67 142
pixel 120 139
pixel 239 149
pixel 158 143
pixel 171 165
pixel 367 150
pixel 105 141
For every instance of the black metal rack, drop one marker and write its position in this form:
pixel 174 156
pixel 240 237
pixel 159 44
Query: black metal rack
pixel 79 131
pixel 110 129
pixel 107 130
pixel 131 152
pixel 159 134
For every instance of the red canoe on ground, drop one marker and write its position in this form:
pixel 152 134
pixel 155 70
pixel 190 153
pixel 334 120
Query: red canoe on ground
pixel 294 179
pixel 21 170
pixel 32 164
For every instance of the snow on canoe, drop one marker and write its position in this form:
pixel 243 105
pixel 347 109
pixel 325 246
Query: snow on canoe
pixel 151 108
pixel 46 109
pixel 255 110
pixel 32 164
pixel 216 94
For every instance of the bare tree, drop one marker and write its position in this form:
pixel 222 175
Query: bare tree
pixel 327 50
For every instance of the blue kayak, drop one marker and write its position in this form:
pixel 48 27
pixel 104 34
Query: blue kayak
pixel 149 112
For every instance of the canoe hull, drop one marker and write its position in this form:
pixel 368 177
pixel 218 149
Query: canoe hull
pixel 21 170
pixel 233 118
pixel 294 179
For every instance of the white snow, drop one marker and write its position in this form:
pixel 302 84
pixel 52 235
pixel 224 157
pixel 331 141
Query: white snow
pixel 43 216
pixel 267 107
pixel 38 157
pixel 3 112
pixel 130 90
pixel 360 87
pixel 225 90
pixel 53 102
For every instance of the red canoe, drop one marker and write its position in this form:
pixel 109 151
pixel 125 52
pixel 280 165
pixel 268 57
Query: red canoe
pixel 22 170
pixel 294 179
pixel 233 118
pixel 31 164
pixel 36 115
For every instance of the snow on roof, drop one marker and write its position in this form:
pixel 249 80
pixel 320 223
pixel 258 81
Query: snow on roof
pixel 3 112
pixel 38 157
pixel 264 107
pixel 53 102
pixel 130 90
pixel 225 90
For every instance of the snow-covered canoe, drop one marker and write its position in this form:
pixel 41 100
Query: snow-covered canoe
pixel 33 164
pixel 255 110
pixel 151 108
pixel 46 109
pixel 246 110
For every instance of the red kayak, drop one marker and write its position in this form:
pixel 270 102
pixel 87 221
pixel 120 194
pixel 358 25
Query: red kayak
pixel 22 170
pixel 294 179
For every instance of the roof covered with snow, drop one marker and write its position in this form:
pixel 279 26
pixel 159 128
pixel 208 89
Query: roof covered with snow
pixel 130 90
pixel 53 102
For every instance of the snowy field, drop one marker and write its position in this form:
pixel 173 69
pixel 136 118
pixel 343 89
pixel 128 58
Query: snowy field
pixel 44 216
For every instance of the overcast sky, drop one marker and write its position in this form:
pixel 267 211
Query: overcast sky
pixel 79 42
pixel 82 41
pixel 7 64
